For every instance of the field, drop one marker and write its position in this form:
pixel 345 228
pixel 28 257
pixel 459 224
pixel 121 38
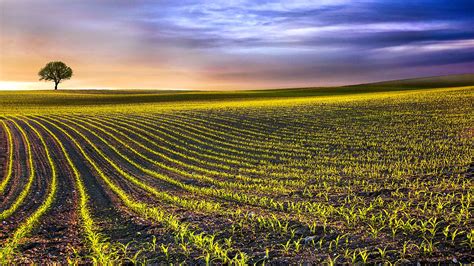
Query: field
pixel 359 174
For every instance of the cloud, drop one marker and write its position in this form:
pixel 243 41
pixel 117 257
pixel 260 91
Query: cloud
pixel 235 44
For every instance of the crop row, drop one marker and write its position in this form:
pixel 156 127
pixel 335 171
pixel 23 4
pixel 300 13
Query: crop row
pixel 347 181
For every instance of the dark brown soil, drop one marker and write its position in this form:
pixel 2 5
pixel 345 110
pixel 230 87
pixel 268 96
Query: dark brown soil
pixel 58 231
pixel 17 184
pixel 19 171
pixel 115 222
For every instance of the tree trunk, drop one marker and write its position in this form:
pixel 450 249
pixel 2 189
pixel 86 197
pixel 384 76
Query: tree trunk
pixel 55 86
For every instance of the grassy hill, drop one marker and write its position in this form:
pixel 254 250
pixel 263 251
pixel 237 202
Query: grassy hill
pixel 425 82
pixel 48 101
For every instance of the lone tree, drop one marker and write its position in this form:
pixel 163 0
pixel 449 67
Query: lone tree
pixel 56 71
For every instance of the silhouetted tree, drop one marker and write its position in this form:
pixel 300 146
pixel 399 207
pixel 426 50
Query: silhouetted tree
pixel 56 71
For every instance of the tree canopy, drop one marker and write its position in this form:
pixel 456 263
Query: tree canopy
pixel 55 71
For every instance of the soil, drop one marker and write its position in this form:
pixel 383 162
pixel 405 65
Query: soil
pixel 17 184
pixel 114 221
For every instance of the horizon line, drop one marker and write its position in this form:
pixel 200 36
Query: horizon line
pixel 3 88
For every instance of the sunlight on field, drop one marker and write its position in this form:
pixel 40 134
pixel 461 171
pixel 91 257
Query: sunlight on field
pixel 38 102
pixel 250 178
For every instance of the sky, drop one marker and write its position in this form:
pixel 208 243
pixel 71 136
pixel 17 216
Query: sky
pixel 233 44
